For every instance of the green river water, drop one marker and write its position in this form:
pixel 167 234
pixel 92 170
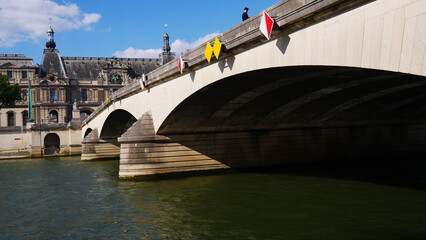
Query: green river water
pixel 64 198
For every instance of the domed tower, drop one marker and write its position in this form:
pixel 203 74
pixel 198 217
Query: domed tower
pixel 50 44
pixel 52 66
pixel 166 45
pixel 166 56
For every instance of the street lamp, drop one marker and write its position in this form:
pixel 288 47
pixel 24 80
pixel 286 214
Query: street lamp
pixel 30 102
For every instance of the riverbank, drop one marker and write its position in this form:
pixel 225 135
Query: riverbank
pixel 29 153
pixel 39 140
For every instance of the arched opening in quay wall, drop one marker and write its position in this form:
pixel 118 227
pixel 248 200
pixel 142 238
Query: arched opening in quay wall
pixel 52 144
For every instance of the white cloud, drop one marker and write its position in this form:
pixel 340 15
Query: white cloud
pixel 91 18
pixel 23 20
pixel 138 53
pixel 178 46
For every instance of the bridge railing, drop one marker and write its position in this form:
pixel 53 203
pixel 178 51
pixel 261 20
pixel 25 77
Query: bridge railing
pixel 289 16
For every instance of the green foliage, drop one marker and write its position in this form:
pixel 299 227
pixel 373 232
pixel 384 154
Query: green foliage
pixel 9 93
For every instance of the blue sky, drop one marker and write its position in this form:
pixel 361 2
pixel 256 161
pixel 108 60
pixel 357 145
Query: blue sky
pixel 125 28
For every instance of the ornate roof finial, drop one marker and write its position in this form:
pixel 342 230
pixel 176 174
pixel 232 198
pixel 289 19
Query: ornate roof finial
pixel 166 45
pixel 50 44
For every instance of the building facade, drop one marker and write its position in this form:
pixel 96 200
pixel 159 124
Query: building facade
pixel 61 86
pixel 19 69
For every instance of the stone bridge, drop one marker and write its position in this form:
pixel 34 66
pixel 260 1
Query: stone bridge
pixel 338 79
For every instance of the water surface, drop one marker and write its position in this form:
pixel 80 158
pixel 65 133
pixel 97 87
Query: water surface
pixel 64 198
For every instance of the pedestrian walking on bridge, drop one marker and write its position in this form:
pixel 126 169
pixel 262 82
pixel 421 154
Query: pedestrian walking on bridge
pixel 245 14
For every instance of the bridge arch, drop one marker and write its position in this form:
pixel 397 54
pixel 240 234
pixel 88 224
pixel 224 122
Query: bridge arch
pixel 87 132
pixel 319 88
pixel 303 96
pixel 325 43
pixel 116 124
pixel 85 112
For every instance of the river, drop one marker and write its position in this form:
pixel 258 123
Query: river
pixel 64 198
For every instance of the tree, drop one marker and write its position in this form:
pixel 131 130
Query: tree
pixel 9 93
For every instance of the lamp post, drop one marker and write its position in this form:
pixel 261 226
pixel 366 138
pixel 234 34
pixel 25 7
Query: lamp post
pixel 30 102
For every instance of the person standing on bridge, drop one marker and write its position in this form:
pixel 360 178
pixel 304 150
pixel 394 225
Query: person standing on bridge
pixel 245 14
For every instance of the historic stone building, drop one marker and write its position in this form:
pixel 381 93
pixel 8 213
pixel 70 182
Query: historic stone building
pixel 19 69
pixel 60 81
pixel 64 86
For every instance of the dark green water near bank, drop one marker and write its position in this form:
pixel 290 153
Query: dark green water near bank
pixel 64 198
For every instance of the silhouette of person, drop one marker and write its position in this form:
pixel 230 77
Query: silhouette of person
pixel 245 15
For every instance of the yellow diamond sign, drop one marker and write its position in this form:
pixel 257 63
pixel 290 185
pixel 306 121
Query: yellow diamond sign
pixel 216 47
pixel 208 52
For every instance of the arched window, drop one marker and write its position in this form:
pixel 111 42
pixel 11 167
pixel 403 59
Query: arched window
pixel 24 118
pixel 10 119
pixel 53 116
pixel 84 114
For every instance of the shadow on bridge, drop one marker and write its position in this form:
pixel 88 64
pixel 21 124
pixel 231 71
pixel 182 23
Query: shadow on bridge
pixel 283 115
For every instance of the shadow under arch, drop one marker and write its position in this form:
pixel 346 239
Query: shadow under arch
pixel 52 144
pixel 300 96
pixel 298 114
pixel 85 113
pixel 88 131
pixel 116 124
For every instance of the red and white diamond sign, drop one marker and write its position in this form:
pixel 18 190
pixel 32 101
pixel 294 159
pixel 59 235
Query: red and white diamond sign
pixel 266 25
pixel 181 65
pixel 142 81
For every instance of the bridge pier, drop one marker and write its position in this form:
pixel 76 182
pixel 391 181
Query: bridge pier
pixel 94 148
pixel 145 153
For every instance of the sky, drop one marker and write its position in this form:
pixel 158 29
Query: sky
pixel 125 28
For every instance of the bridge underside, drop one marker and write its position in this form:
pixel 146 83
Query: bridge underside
pixel 301 97
pixel 106 145
pixel 281 115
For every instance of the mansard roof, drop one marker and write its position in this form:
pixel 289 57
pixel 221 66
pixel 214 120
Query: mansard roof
pixel 52 64
pixel 91 67
pixel 17 60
